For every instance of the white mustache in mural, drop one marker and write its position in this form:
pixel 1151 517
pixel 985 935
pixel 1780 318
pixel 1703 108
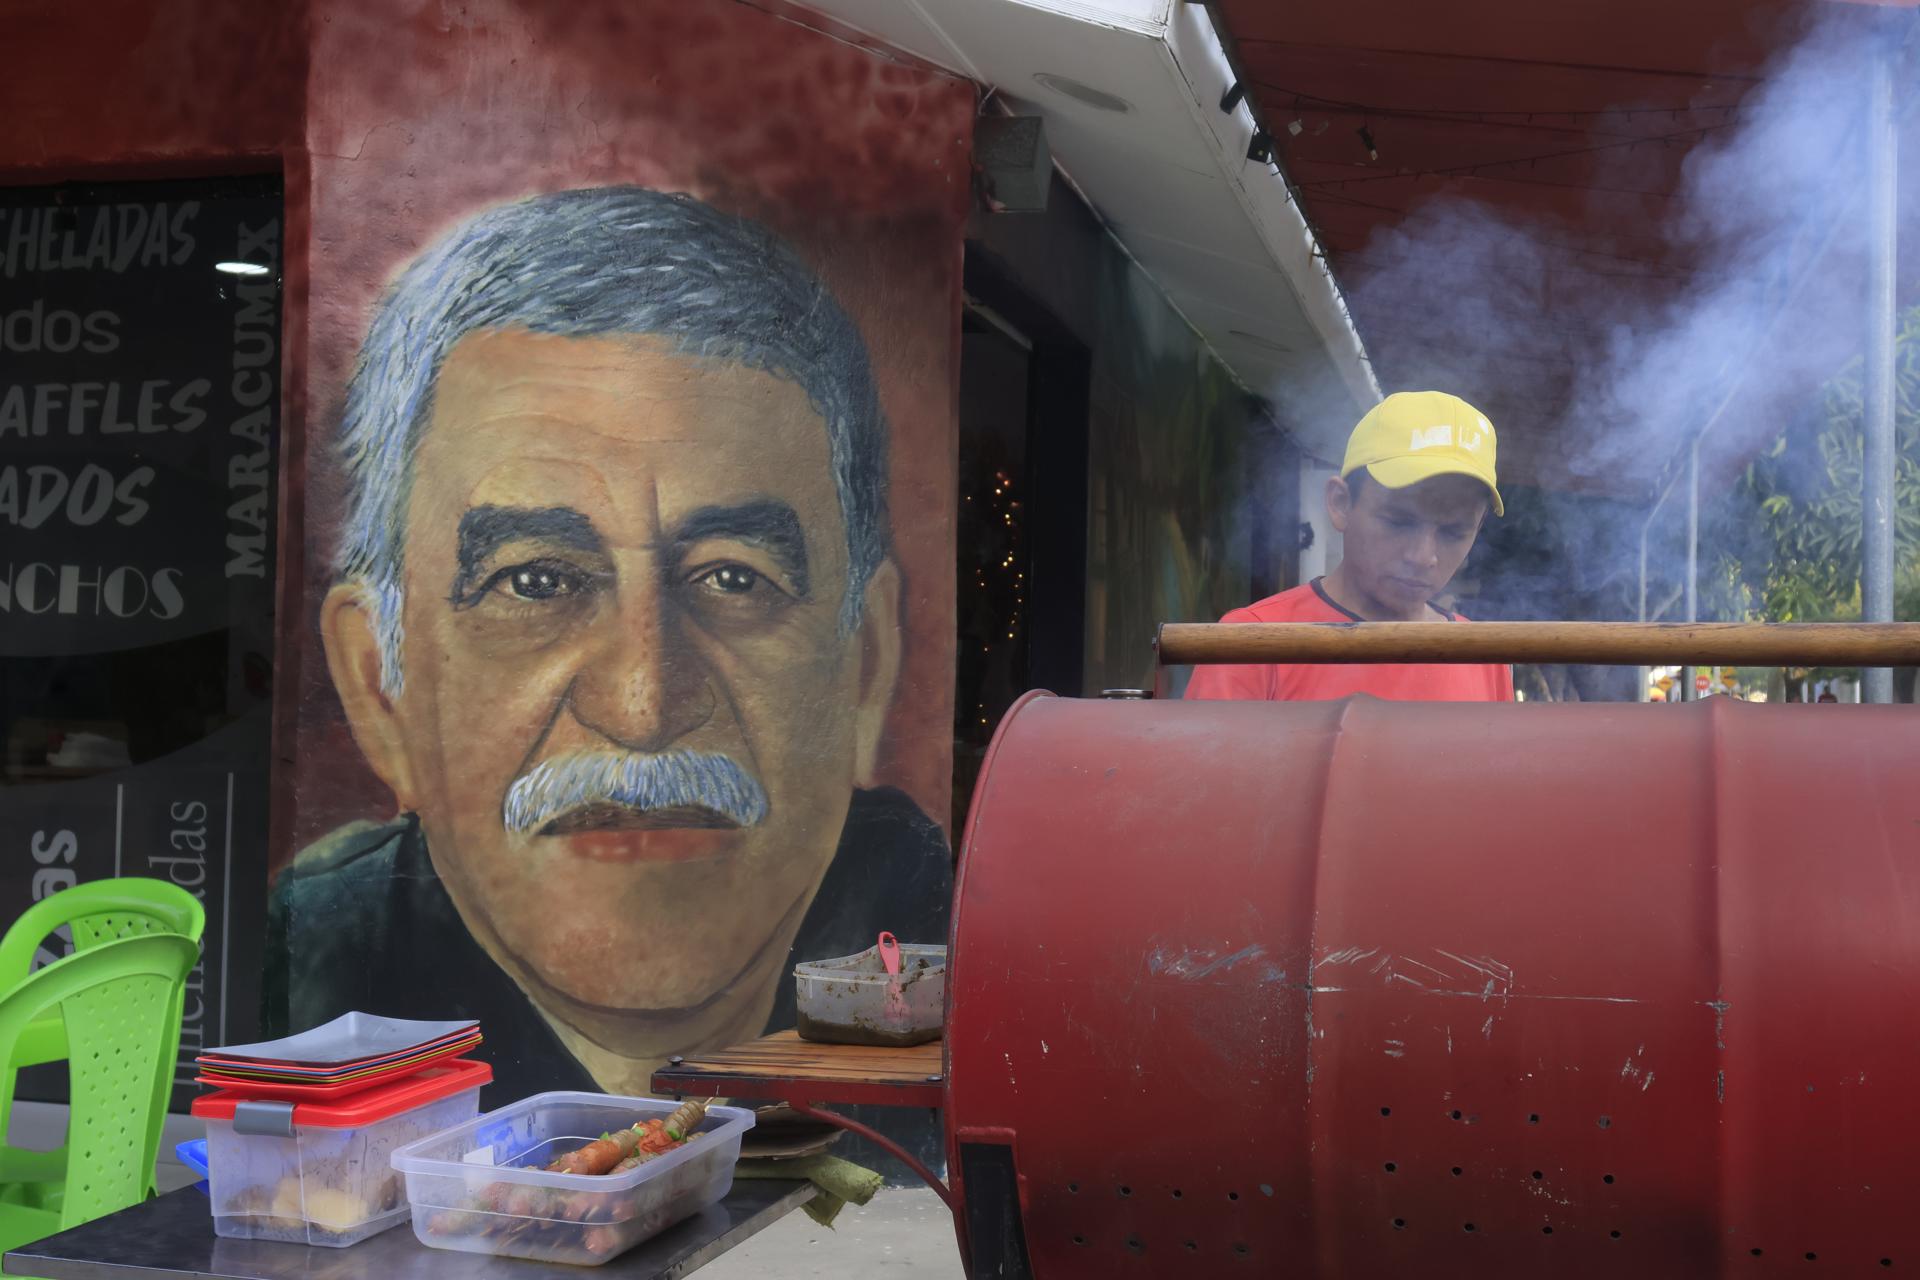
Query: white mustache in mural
pixel 621 790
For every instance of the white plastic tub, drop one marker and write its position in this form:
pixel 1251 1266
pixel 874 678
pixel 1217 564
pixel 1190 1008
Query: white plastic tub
pixel 470 1190
pixel 845 1001
pixel 321 1172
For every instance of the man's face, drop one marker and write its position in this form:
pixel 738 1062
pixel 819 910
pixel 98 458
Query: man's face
pixel 615 548
pixel 1402 546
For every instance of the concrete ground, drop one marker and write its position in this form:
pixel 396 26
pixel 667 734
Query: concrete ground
pixel 904 1232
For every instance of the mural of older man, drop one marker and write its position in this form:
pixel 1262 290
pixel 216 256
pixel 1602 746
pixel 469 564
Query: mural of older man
pixel 617 623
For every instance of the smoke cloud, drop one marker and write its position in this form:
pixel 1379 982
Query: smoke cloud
pixel 1730 303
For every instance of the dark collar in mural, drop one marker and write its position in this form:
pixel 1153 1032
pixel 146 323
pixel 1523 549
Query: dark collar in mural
pixel 360 921
pixel 1319 589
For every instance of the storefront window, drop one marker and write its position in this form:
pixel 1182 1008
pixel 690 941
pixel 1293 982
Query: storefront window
pixel 140 370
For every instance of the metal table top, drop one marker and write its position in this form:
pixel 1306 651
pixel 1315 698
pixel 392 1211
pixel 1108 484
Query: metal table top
pixel 171 1238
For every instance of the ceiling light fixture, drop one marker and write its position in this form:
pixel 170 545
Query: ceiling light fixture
pixel 241 268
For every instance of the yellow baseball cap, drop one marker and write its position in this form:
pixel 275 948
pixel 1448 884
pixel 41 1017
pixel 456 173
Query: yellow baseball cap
pixel 1416 435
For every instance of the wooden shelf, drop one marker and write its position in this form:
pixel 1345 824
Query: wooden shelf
pixel 784 1068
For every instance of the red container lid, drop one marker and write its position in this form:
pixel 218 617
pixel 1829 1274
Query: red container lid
pixel 369 1106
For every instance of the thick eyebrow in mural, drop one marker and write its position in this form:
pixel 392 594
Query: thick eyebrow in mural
pixel 484 530
pixel 768 524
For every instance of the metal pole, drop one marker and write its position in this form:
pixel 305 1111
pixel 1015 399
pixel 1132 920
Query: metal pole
pixel 1877 463
pixel 1646 673
pixel 1693 531
pixel 1646 534
pixel 1693 555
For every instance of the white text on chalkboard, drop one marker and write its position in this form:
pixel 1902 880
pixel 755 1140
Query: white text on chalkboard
pixel 101 408
pixel 54 872
pixel 186 866
pixel 34 328
pixel 30 496
pixel 107 238
pixel 253 365
pixel 90 591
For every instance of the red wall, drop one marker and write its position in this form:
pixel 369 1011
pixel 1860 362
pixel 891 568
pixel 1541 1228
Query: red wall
pixel 136 88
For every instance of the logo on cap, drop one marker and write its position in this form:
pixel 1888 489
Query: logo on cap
pixel 1442 437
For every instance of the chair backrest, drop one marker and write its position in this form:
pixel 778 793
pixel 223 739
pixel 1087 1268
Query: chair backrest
pixel 108 911
pixel 119 1002
pixel 101 911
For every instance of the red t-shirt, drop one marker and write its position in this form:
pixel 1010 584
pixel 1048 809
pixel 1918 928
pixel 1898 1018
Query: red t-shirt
pixel 1317 682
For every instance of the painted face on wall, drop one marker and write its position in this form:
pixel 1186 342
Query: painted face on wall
pixel 632 713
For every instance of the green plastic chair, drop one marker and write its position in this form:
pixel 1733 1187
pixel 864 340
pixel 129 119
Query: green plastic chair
pixel 97 912
pixel 117 1001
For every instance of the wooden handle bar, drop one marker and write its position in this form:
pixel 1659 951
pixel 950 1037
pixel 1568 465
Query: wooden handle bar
pixel 1726 644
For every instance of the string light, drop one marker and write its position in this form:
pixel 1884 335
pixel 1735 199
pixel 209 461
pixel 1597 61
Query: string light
pixel 998 590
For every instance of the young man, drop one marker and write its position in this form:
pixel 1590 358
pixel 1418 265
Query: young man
pixel 1417 484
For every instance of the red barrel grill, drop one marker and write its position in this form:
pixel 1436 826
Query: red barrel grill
pixel 1378 989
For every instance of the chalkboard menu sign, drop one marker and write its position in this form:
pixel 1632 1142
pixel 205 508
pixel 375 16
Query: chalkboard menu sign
pixel 140 372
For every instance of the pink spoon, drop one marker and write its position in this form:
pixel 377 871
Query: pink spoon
pixel 890 957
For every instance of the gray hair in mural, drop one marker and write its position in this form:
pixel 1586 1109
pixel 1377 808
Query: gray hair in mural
pixel 610 260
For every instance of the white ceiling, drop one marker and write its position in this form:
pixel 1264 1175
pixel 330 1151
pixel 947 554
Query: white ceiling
pixel 1217 232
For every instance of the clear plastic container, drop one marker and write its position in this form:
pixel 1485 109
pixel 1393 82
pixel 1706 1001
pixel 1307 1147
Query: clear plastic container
pixel 322 1173
pixel 471 1190
pixel 845 1001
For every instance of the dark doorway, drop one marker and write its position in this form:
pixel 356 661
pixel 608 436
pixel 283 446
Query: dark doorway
pixel 1021 536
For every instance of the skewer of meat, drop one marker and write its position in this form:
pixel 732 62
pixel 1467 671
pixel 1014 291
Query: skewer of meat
pixel 643 1142
pixel 600 1155
pixel 615 1153
pixel 686 1118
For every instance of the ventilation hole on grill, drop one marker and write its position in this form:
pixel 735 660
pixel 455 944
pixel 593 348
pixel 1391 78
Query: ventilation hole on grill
pixel 1177 1193
pixel 1233 1195
pixel 1079 1239
pixel 1386 1111
pixel 1241 1250
pixel 1605 1122
pixel 1886 1262
pixel 1533 1119
pixel 1812 1256
pixel 1399 1224
pixel 1613 1235
pixel 1073 1188
pixel 1457 1171
pixel 1456 1115
pixel 1546 1231
pixel 1193 1246
pixel 1537 1175
pixel 1756 1252
pixel 1608 1179
pixel 1134 1245
pixel 1467 1226
pixel 1126 1191
pixel 1391 1166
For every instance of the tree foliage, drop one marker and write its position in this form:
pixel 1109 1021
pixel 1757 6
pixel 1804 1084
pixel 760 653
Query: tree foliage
pixel 1802 499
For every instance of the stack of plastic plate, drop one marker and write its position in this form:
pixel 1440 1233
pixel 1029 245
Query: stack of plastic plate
pixel 353 1052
